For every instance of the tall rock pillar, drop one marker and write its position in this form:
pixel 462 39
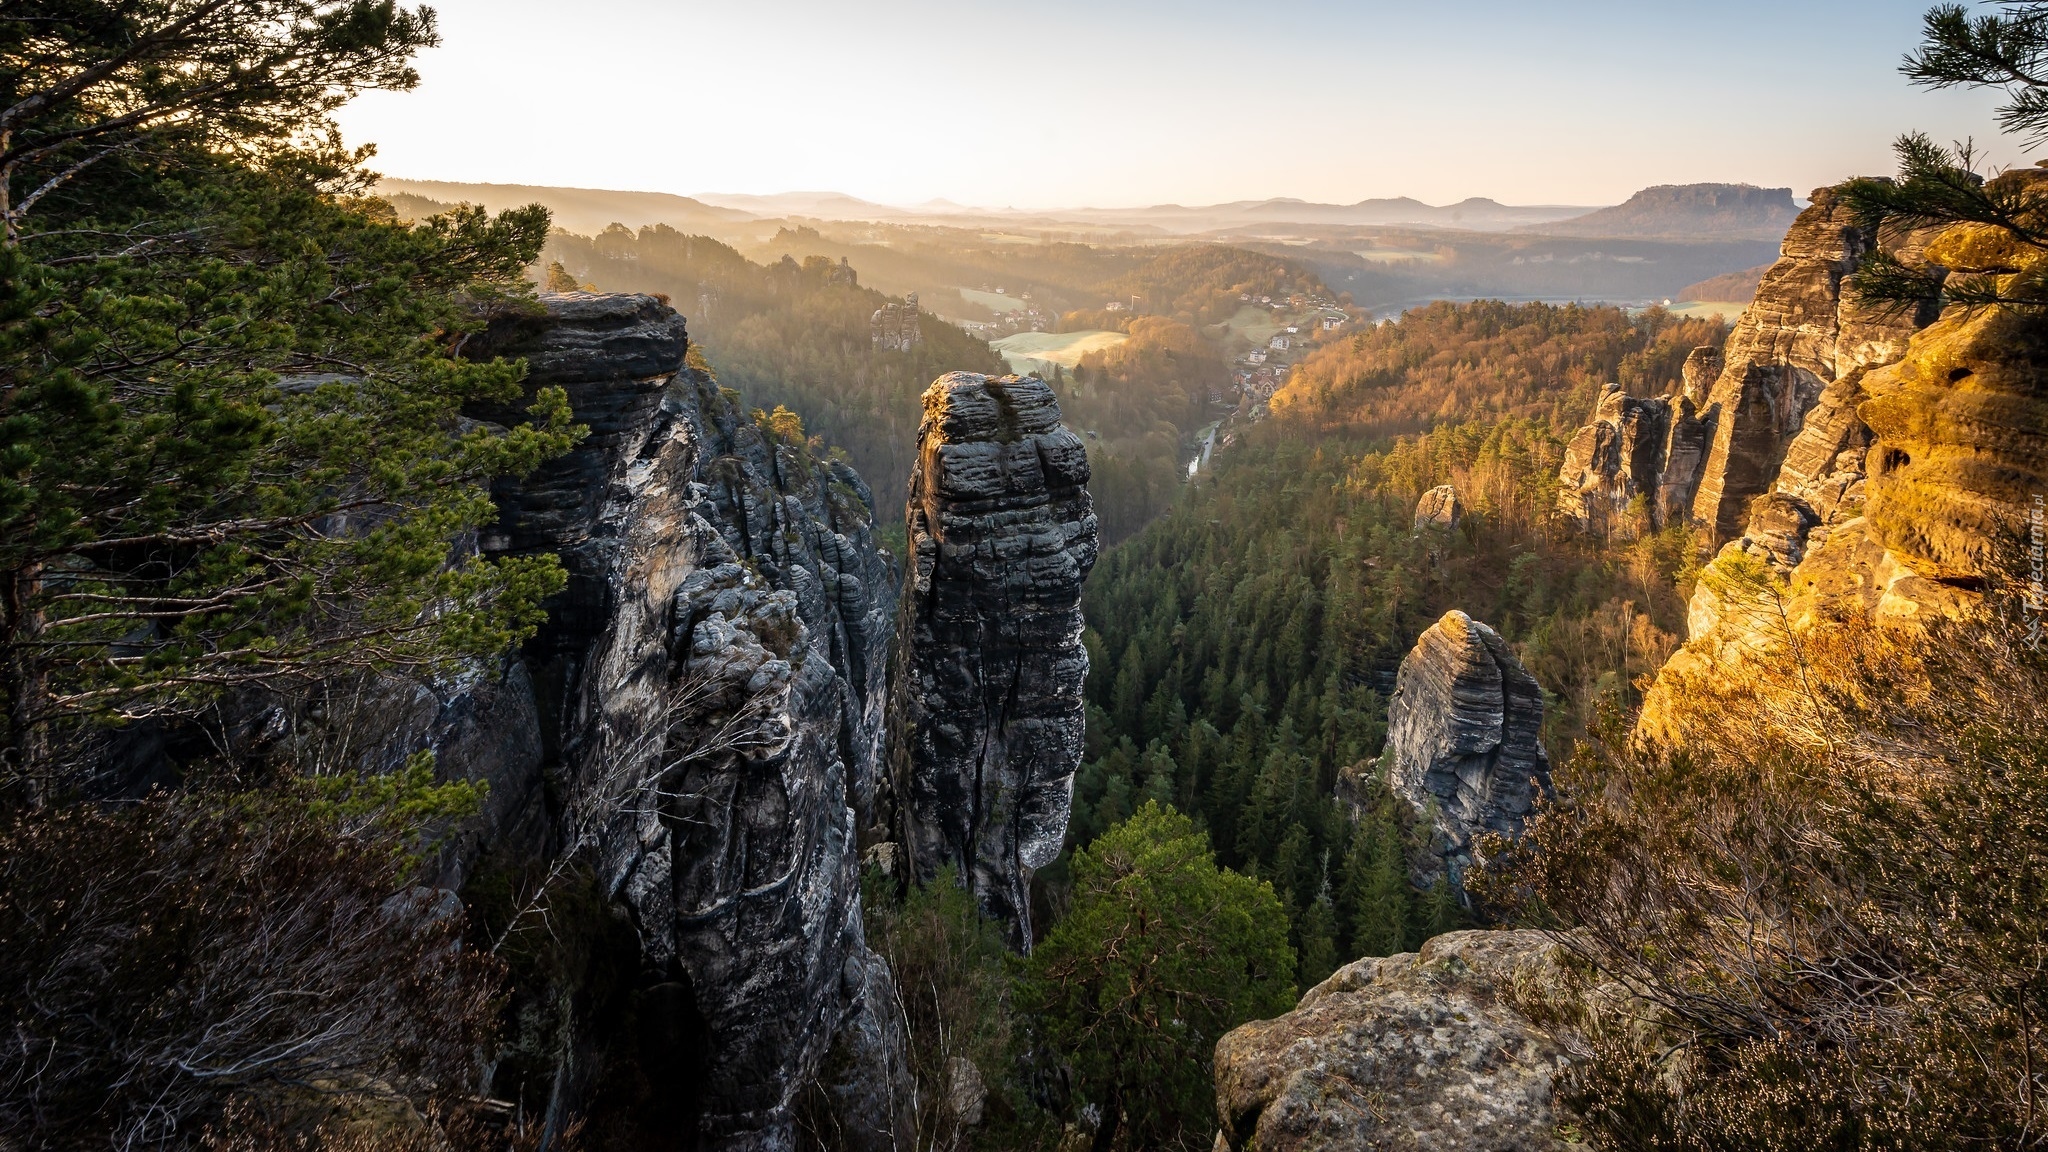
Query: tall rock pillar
pixel 1464 734
pixel 986 715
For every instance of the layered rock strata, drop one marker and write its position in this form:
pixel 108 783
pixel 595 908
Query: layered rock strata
pixel 986 717
pixel 1857 461
pixel 1421 1052
pixel 1463 734
pixel 1774 410
pixel 1617 458
pixel 1908 485
pixel 709 698
pixel 1439 510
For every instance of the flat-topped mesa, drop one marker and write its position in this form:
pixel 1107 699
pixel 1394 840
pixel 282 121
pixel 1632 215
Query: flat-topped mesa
pixel 986 716
pixel 1463 733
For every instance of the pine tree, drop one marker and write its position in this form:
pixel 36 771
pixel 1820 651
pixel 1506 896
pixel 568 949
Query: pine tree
pixel 1295 871
pixel 559 279
pixel 168 504
pixel 1442 911
pixel 2007 50
pixel 1160 954
pixel 1318 942
pixel 1384 905
pixel 1160 774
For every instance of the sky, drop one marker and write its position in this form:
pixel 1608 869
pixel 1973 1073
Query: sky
pixel 1119 103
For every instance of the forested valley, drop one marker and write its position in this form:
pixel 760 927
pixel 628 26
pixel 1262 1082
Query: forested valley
pixel 796 334
pixel 471 687
pixel 1242 647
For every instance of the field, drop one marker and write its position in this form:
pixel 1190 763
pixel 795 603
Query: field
pixel 991 301
pixel 1039 351
pixel 1727 311
pixel 1257 325
pixel 1398 256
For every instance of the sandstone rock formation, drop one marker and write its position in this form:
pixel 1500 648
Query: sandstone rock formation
pixel 1420 1052
pixel 1905 483
pixel 1439 510
pixel 986 720
pixel 1463 731
pixel 1855 461
pixel 709 699
pixel 1615 459
pixel 1773 410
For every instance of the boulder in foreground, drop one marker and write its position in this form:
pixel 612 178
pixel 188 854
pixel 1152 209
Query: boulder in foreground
pixel 1422 1052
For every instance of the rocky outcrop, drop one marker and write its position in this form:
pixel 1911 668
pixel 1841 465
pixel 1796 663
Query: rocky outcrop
pixel 1423 1052
pixel 1439 510
pixel 1787 348
pixel 1463 734
pixel 1774 410
pixel 1615 459
pixel 1904 489
pixel 1688 436
pixel 803 521
pixel 987 712
pixel 709 699
pixel 1960 431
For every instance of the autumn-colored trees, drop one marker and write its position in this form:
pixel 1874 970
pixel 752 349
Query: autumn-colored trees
pixel 1243 644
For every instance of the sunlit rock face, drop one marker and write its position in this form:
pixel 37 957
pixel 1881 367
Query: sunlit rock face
pixel 1796 338
pixel 710 693
pixel 1773 410
pixel 1439 510
pixel 1463 733
pixel 1615 459
pixel 1909 483
pixel 986 721
pixel 1960 431
pixel 1421 1051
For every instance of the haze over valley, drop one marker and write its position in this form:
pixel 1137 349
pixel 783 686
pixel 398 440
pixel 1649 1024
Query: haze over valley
pixel 916 576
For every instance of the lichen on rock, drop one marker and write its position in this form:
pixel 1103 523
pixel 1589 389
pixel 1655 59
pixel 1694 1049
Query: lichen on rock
pixel 1424 1052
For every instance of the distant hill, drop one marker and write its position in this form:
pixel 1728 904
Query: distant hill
pixel 1721 211
pixel 1477 214
pixel 1735 287
pixel 580 210
pixel 816 205
pixel 588 210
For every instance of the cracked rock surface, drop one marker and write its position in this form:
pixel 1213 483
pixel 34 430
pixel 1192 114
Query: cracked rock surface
pixel 987 717
pixel 1418 1052
pixel 1463 731
pixel 709 695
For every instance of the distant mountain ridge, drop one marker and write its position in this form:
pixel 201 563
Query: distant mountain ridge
pixel 821 205
pixel 581 210
pixel 1477 213
pixel 1732 211
pixel 1702 211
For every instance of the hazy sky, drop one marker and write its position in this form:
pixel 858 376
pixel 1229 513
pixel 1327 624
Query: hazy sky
pixel 1039 103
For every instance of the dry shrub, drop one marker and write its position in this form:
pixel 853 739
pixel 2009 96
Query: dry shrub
pixel 1830 882
pixel 163 960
